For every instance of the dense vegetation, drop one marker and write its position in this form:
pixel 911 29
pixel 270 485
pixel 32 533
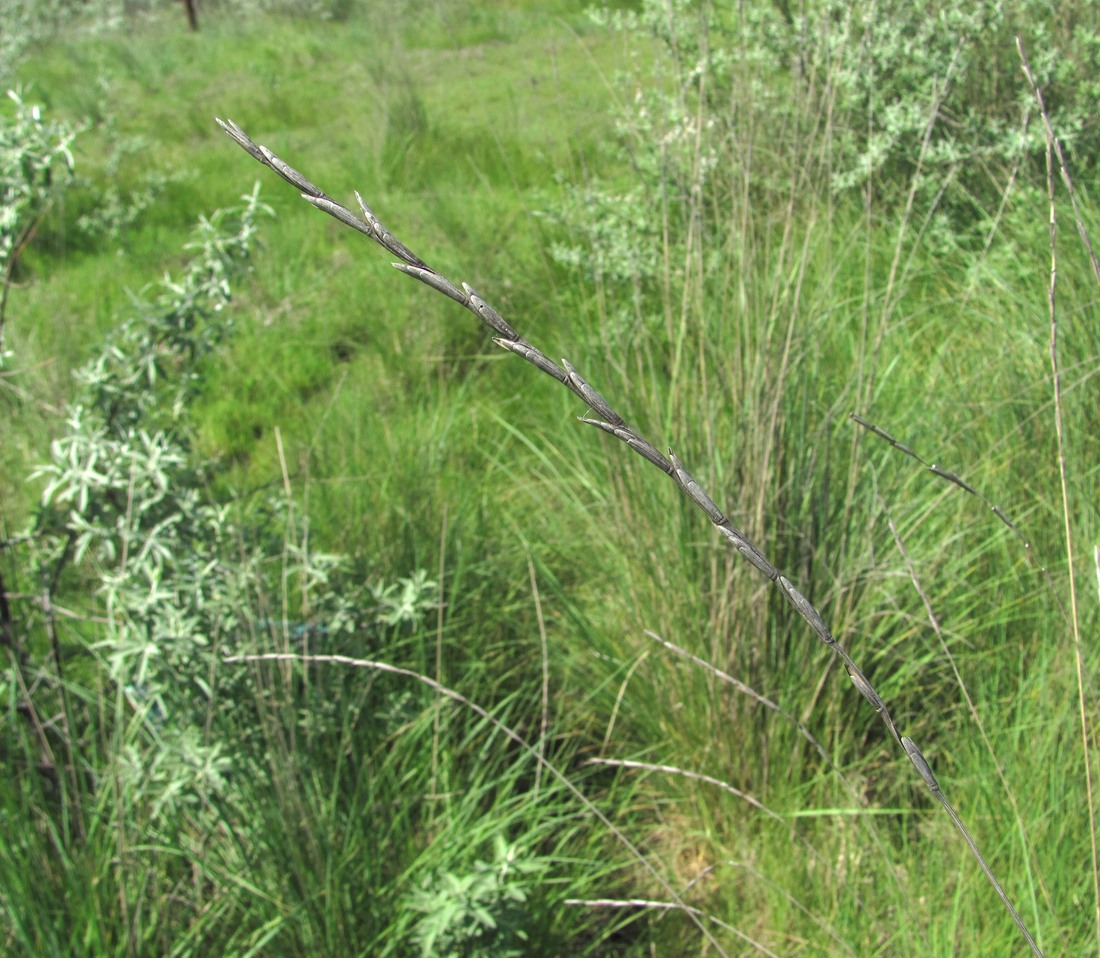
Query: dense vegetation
pixel 232 429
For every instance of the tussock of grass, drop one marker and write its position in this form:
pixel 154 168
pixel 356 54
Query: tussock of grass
pixel 609 421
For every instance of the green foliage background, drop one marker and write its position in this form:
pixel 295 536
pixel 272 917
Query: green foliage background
pixel 740 227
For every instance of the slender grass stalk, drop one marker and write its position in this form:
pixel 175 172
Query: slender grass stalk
pixel 696 915
pixel 544 659
pixel 956 480
pixel 1052 147
pixel 725 787
pixel 933 619
pixel 824 925
pixel 619 699
pixel 439 649
pixel 696 776
pixel 608 420
pixel 806 734
pixel 645 903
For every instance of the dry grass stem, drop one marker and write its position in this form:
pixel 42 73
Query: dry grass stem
pixel 287 658
pixel 544 658
pixel 696 776
pixel 439 656
pixel 615 425
pixel 746 690
pixel 858 800
pixel 948 476
pixel 1054 147
pixel 725 787
pixel 933 619
pixel 645 903
pixel 619 699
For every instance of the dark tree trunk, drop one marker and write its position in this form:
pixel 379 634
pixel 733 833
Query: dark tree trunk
pixel 192 16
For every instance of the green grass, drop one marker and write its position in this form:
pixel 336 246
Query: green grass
pixel 414 442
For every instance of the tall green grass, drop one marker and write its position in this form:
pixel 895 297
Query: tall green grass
pixel 766 316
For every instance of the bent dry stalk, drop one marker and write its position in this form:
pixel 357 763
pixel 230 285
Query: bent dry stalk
pixel 614 425
pixel 948 476
pixel 697 916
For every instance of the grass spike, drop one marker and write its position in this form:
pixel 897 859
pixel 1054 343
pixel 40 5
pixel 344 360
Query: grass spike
pixel 647 450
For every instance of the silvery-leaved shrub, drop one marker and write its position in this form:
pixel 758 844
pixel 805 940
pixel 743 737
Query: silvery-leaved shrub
pixel 125 513
pixel 873 95
pixel 477 911
pixel 174 573
pixel 36 164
